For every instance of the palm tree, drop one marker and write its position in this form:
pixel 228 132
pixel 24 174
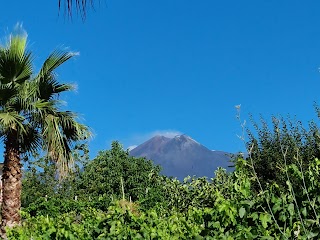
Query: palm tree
pixel 31 119
pixel 80 6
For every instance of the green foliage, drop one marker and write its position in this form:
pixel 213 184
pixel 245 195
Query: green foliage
pixel 41 183
pixel 120 222
pixel 283 142
pixel 115 168
pixel 228 207
pixel 245 204
pixel 92 183
pixel 65 226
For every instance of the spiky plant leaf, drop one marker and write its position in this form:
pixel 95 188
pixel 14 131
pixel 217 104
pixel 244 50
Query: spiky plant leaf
pixel 15 61
pixel 46 79
pixel 11 120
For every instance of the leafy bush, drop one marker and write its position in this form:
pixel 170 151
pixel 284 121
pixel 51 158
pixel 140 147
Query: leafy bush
pixel 115 173
pixel 286 142
pixel 226 208
pixel 40 179
pixel 65 226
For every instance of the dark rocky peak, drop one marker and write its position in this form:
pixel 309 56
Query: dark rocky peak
pixel 159 138
pixel 184 139
pixel 152 145
pixel 181 156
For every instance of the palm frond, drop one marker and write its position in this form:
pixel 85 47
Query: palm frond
pixel 60 131
pixel 15 61
pixel 30 140
pixel 47 106
pixel 7 91
pixel 47 84
pixel 73 130
pixel 56 146
pixel 80 6
pixel 11 121
pixel 50 88
pixel 55 59
pixel 17 99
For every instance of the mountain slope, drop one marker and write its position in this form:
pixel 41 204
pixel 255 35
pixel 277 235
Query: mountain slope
pixel 182 156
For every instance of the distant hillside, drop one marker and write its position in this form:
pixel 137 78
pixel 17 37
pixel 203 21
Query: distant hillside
pixel 182 156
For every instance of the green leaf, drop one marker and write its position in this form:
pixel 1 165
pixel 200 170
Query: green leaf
pixel 267 238
pixel 265 218
pixel 312 235
pixel 304 211
pixel 291 209
pixel 254 216
pixel 242 211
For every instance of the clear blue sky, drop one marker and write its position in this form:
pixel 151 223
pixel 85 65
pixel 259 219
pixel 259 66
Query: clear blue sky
pixel 179 65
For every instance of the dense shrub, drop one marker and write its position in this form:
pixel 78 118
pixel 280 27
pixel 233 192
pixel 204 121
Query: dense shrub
pixel 115 173
pixel 274 146
pixel 225 208
pixel 40 179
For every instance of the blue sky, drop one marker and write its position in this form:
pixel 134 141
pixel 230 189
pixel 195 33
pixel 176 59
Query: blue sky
pixel 180 66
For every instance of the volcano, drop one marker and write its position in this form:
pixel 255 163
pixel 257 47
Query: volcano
pixel 182 156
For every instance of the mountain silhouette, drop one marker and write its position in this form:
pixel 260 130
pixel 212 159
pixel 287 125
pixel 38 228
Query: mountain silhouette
pixel 181 156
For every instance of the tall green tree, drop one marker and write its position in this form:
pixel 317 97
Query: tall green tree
pixel 31 118
pixel 115 173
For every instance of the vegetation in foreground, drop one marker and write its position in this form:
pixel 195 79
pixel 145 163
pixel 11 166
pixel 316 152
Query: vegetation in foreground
pixel 116 196
pixel 273 194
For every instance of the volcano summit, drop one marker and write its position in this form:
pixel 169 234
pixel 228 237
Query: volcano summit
pixel 181 156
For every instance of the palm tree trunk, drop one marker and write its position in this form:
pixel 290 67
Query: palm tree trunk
pixel 11 182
